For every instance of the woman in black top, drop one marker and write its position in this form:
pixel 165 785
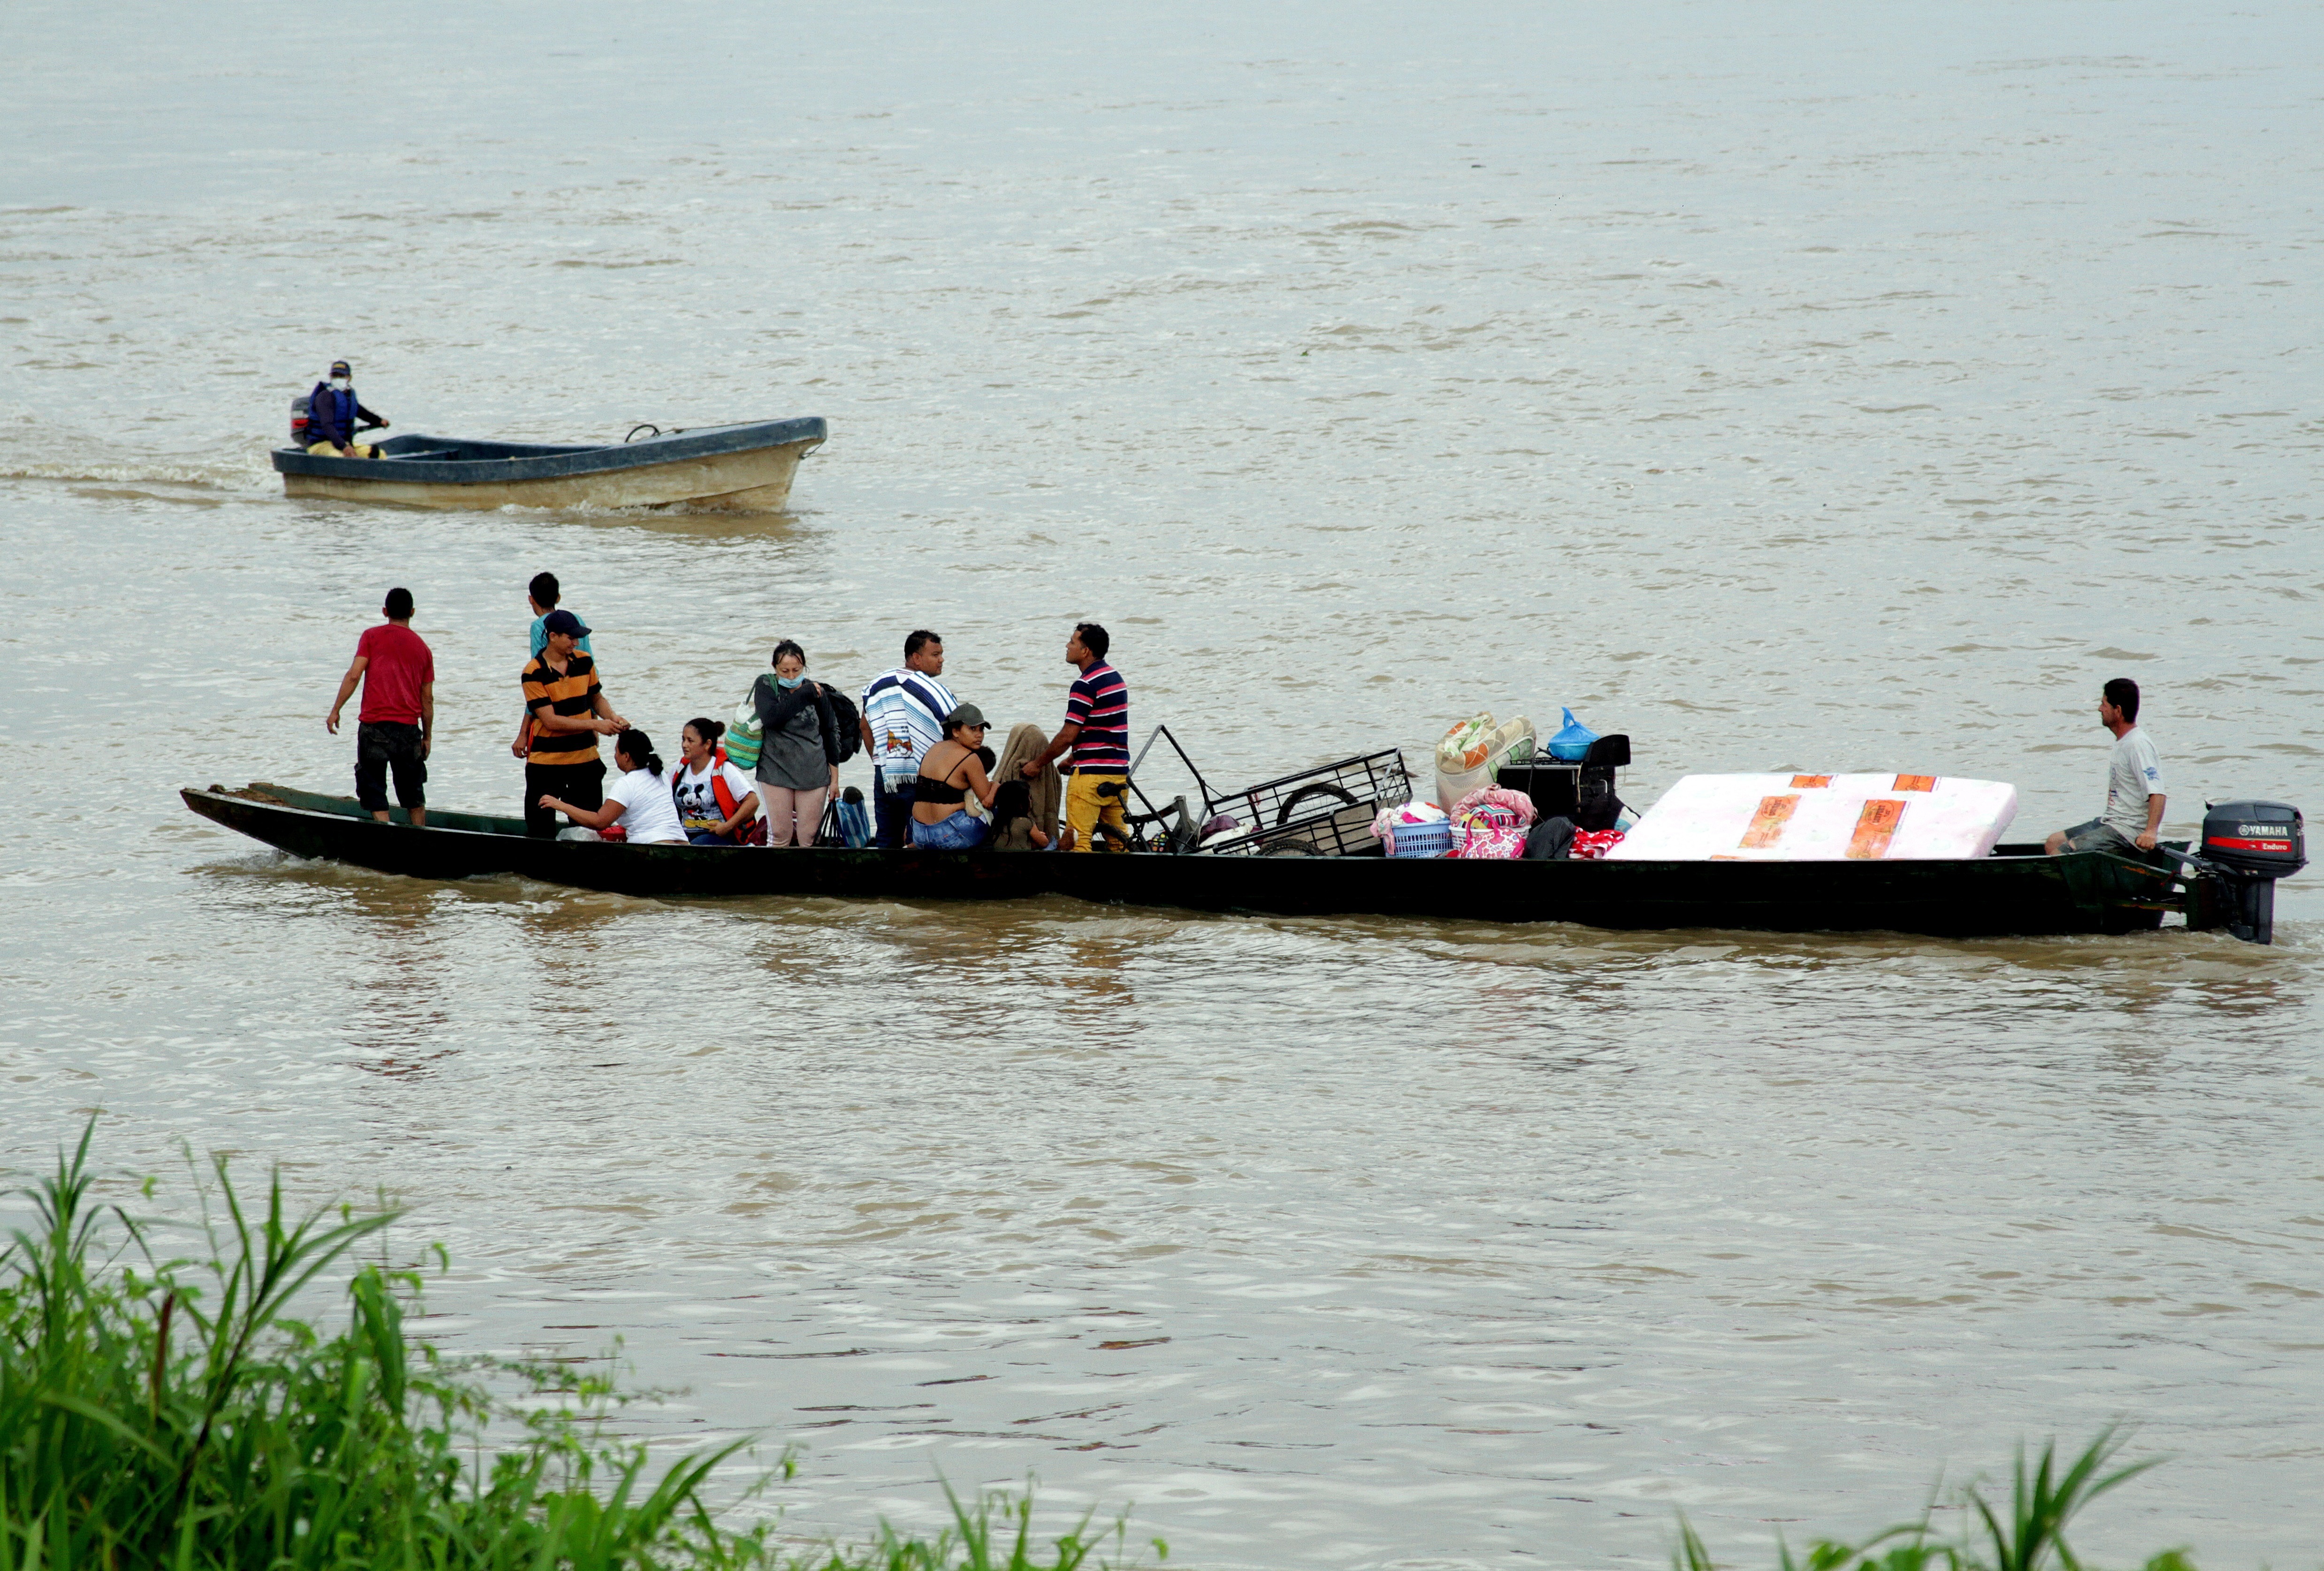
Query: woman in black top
pixel 951 770
pixel 799 752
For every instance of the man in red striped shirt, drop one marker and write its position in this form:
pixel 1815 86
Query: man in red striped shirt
pixel 1097 733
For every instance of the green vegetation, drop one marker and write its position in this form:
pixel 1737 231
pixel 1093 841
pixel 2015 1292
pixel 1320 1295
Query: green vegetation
pixel 172 1413
pixel 2030 1535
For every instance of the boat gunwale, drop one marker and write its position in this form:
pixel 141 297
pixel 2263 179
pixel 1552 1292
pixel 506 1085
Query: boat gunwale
pixel 258 793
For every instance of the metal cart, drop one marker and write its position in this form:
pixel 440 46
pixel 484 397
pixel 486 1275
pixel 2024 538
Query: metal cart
pixel 1326 811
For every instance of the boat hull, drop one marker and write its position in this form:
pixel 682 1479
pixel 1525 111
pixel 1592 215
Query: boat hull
pixel 740 468
pixel 2024 894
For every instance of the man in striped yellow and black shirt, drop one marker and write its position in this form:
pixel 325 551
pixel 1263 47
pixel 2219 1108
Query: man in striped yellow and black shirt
pixel 569 712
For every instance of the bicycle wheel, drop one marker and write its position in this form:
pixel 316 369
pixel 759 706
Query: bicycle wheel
pixel 1319 788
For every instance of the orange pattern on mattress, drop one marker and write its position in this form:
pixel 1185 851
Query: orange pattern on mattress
pixel 1803 781
pixel 1914 782
pixel 1767 823
pixel 1876 826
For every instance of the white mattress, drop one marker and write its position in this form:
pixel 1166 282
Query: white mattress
pixel 1798 818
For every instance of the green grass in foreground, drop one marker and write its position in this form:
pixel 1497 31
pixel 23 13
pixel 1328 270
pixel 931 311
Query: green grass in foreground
pixel 172 1413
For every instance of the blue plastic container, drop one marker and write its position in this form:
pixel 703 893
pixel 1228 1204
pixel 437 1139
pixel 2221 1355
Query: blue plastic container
pixel 1421 840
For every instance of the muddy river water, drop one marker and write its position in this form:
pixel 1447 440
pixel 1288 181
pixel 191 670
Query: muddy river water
pixel 1785 386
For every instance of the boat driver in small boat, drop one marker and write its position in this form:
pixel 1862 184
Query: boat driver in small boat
pixel 2136 796
pixel 334 415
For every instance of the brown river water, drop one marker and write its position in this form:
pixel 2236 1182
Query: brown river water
pixel 1790 387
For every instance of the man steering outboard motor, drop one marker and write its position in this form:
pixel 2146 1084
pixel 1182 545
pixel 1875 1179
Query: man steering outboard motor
pixel 2246 846
pixel 334 415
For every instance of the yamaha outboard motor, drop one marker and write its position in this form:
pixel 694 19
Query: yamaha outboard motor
pixel 2246 846
pixel 299 421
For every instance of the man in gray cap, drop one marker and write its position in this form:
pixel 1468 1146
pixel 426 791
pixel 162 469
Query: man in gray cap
pixel 950 773
pixel 334 415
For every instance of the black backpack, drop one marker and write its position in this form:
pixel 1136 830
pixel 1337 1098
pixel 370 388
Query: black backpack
pixel 851 722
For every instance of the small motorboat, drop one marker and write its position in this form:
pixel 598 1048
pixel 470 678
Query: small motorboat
pixel 744 468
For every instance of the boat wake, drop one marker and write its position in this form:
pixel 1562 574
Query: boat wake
pixel 33 449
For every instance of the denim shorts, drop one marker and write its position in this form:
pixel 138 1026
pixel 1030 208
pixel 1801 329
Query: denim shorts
pixel 2099 835
pixel 962 831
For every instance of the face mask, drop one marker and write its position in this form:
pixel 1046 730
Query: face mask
pixel 789 681
pixel 342 383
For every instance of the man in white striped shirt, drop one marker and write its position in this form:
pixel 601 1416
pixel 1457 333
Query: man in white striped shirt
pixel 903 717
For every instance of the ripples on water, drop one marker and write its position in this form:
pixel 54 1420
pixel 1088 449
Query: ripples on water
pixel 1787 390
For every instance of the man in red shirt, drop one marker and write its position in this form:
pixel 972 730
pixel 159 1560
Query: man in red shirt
pixel 397 725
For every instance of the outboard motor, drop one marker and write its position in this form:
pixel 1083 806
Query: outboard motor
pixel 299 407
pixel 2246 846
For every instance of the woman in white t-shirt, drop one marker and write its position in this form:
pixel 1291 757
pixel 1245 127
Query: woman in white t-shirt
pixel 640 801
pixel 710 817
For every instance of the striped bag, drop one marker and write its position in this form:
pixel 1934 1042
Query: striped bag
pixel 745 735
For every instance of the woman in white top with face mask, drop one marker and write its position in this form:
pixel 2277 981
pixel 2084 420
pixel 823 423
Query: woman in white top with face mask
pixel 640 801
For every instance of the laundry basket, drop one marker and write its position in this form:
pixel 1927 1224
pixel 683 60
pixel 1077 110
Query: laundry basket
pixel 1421 840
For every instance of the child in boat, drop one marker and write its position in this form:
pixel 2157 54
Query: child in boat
pixel 1013 828
pixel 1043 790
pixel 640 801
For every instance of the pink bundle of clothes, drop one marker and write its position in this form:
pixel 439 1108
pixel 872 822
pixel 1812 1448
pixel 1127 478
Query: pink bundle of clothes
pixel 1490 824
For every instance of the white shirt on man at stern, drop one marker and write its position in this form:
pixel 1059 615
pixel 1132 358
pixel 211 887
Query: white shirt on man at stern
pixel 2134 773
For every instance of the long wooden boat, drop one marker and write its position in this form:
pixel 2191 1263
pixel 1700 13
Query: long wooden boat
pixel 747 468
pixel 2015 890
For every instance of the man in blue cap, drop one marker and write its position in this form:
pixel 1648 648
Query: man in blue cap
pixel 334 415
pixel 569 712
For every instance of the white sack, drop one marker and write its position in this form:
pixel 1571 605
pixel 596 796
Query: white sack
pixel 1793 818
pixel 1491 751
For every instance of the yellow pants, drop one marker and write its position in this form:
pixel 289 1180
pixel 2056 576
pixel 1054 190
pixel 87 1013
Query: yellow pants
pixel 359 449
pixel 1084 809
